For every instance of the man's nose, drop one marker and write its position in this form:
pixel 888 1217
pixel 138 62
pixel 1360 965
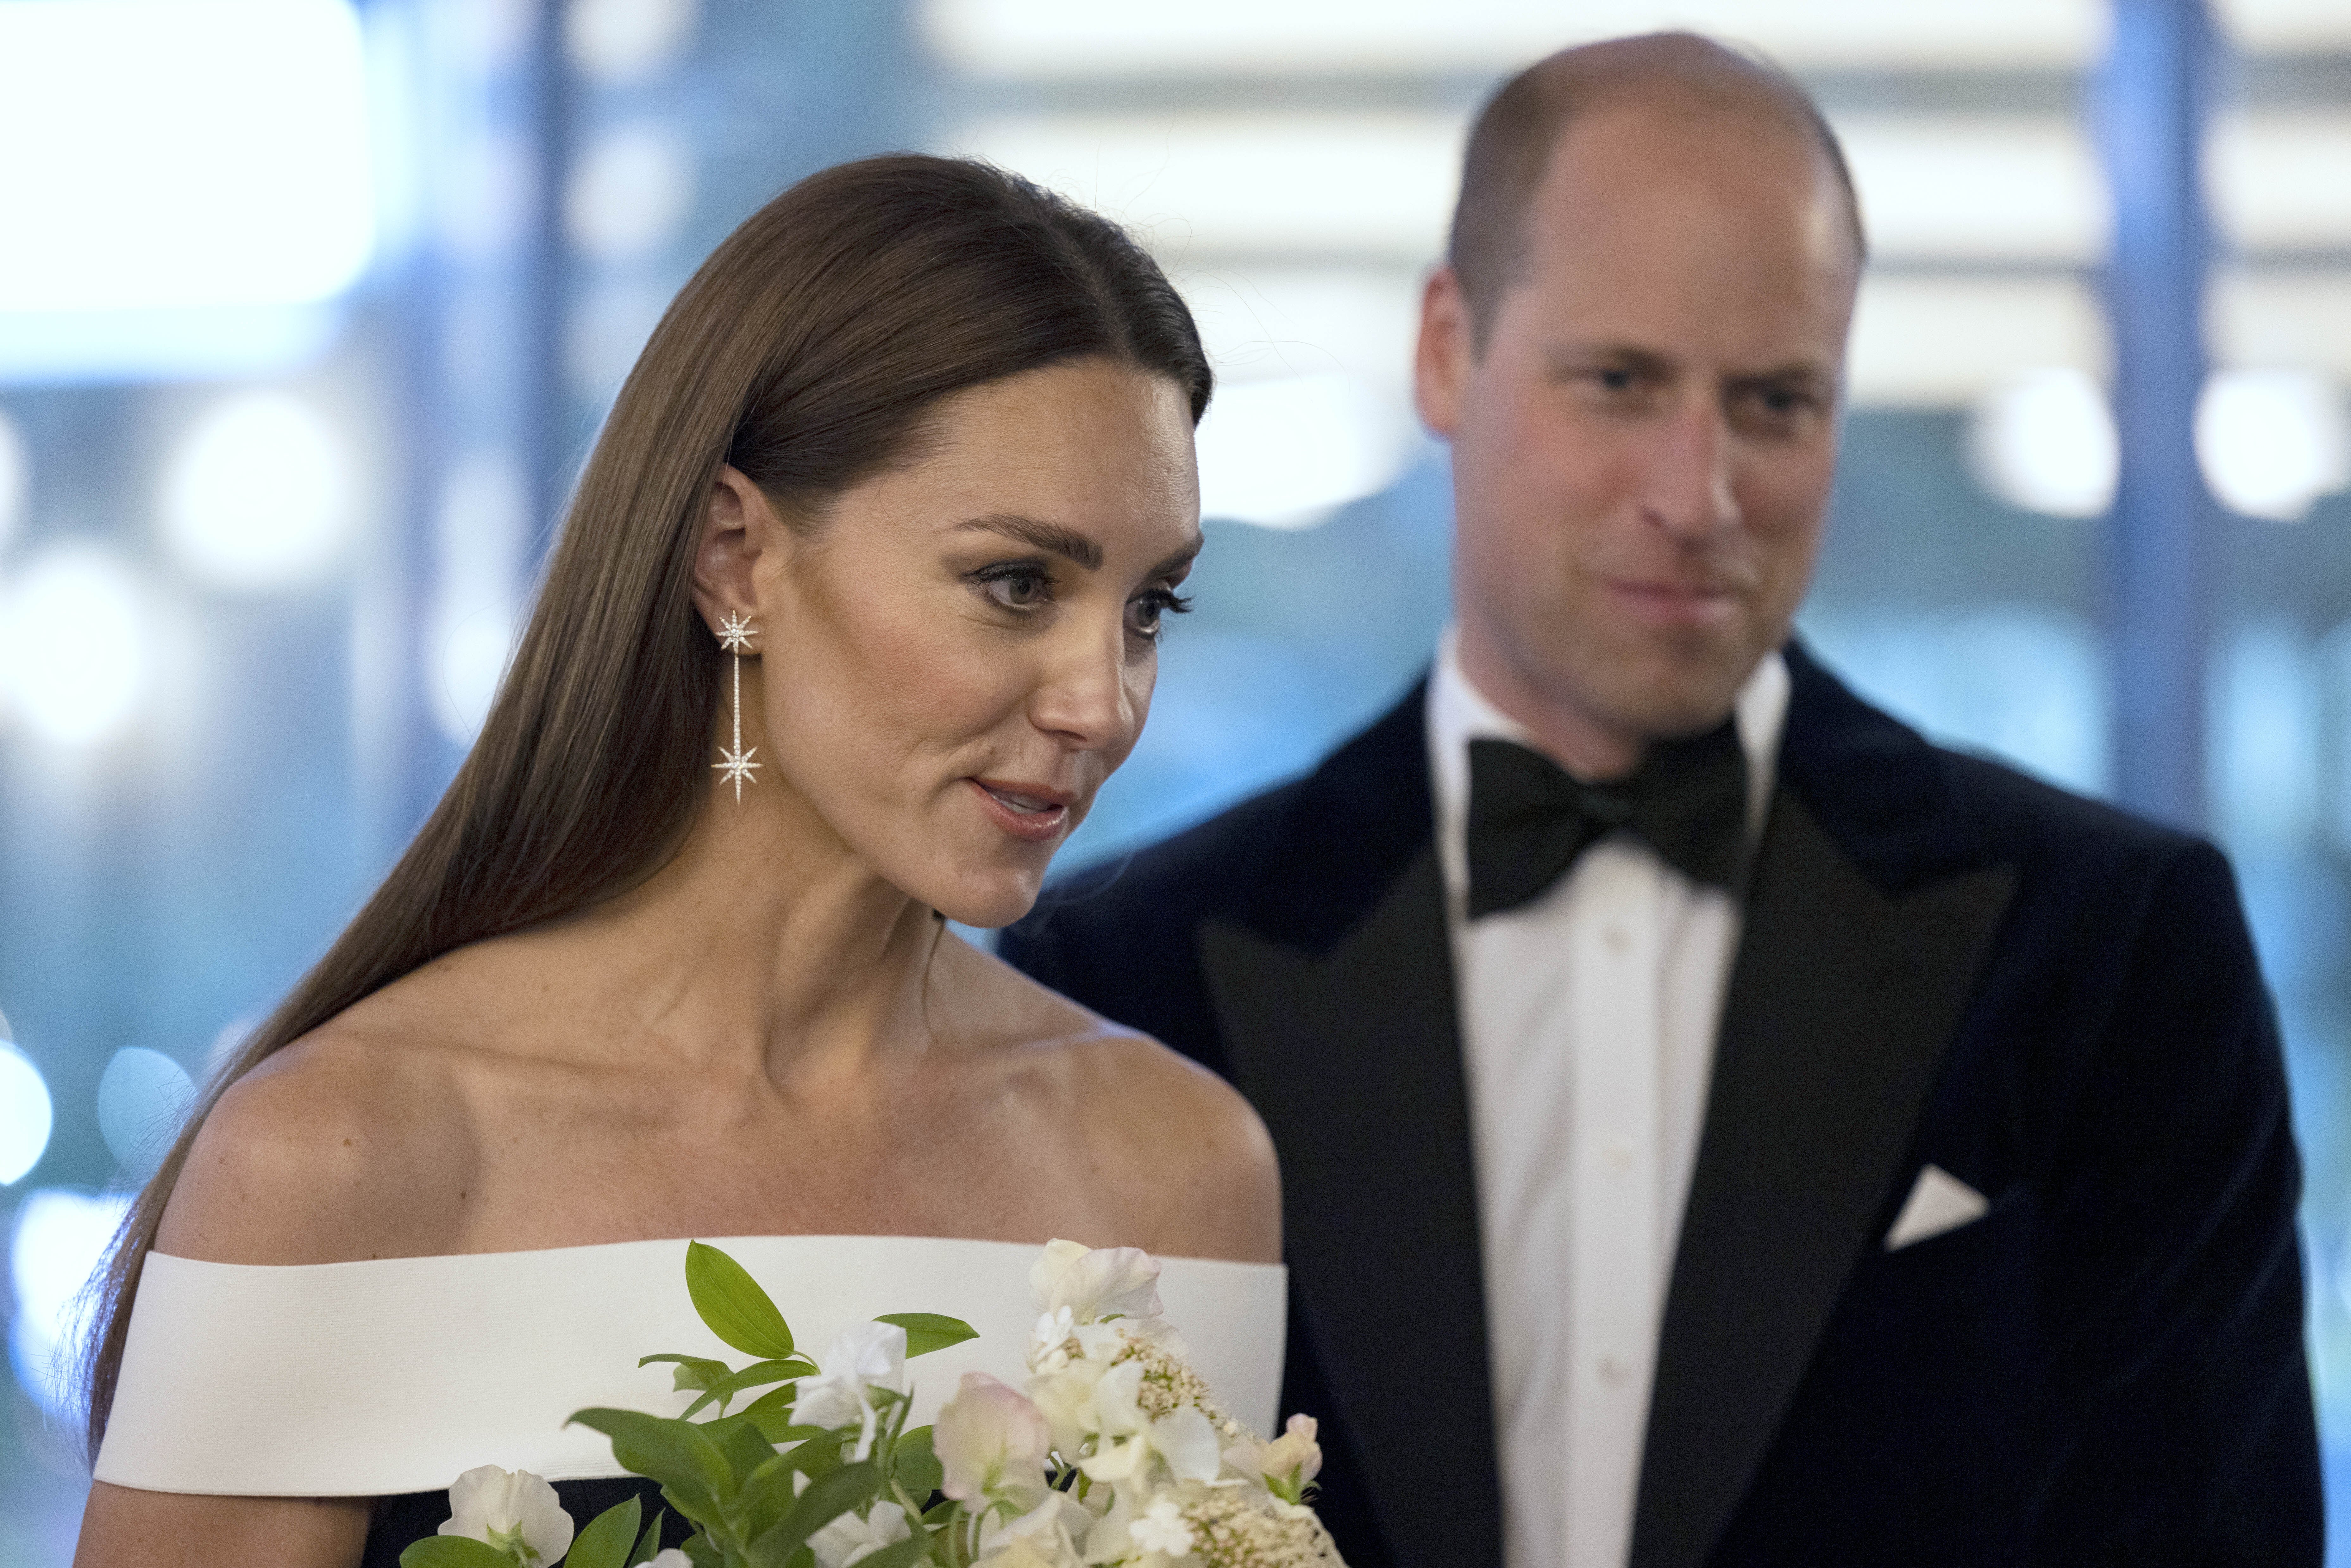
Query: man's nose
pixel 1688 488
pixel 1082 698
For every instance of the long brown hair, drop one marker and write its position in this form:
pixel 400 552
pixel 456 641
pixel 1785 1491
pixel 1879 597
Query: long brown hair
pixel 804 352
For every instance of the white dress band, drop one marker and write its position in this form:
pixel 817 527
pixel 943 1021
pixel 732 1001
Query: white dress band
pixel 396 1375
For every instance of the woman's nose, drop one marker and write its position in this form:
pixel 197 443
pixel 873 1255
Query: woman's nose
pixel 1084 698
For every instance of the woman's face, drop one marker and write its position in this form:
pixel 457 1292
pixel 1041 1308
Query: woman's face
pixel 959 652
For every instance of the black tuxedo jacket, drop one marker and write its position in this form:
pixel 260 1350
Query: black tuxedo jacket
pixel 1942 962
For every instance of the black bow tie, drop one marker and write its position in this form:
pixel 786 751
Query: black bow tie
pixel 1529 819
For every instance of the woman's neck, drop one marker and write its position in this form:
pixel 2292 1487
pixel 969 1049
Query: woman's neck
pixel 765 937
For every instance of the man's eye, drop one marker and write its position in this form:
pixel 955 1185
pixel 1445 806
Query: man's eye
pixel 1617 381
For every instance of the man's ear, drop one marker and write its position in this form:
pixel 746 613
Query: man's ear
pixel 739 524
pixel 1447 348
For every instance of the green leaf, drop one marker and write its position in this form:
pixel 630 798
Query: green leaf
pixel 790 1369
pixel 744 1451
pixel 776 1426
pixel 928 1332
pixel 827 1499
pixel 817 1456
pixel 900 1555
pixel 648 1545
pixel 917 1468
pixel 693 1370
pixel 732 1303
pixel 703 1552
pixel 453 1552
pixel 767 1496
pixel 675 1453
pixel 605 1543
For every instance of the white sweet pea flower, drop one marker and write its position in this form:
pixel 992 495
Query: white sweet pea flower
pixel 1096 1282
pixel 669 1557
pixel 991 1443
pixel 1142 1528
pixel 512 1511
pixel 1286 1464
pixel 1162 1528
pixel 862 1357
pixel 1128 1438
pixel 1048 1341
pixel 1044 1537
pixel 850 1539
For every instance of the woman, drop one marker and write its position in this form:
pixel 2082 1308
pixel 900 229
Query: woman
pixel 857 606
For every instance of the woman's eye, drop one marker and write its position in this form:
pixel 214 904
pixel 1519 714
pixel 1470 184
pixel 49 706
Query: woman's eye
pixel 1150 609
pixel 1017 587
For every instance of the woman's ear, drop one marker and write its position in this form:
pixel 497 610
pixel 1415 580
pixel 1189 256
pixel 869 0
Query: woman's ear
pixel 739 524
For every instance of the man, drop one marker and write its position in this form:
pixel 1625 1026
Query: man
pixel 1718 1127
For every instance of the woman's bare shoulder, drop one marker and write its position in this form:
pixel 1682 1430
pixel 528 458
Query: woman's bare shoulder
pixel 1188 1147
pixel 354 1141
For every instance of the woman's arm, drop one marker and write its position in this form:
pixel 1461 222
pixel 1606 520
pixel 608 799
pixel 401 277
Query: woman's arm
pixel 125 1529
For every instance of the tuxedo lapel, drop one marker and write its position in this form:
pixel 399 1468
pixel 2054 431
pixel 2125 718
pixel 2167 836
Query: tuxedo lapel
pixel 1334 994
pixel 1841 1003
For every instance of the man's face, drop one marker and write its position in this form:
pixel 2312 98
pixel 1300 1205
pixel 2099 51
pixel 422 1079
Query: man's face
pixel 1642 448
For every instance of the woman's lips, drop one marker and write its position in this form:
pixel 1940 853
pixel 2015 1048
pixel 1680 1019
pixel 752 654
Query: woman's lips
pixel 1028 811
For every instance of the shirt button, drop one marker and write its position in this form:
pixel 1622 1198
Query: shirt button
pixel 1617 1154
pixel 1614 1368
pixel 1616 939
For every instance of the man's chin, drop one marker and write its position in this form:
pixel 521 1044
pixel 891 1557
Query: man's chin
pixel 1669 698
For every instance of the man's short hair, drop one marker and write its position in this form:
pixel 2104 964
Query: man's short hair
pixel 1511 141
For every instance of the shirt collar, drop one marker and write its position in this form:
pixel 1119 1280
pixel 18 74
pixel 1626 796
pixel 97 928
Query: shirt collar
pixel 1459 712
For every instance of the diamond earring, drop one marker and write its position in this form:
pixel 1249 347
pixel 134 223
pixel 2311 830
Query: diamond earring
pixel 735 767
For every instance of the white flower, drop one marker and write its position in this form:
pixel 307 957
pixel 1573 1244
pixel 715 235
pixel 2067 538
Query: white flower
pixel 991 1443
pixel 1184 1438
pixel 1048 1341
pixel 1141 1528
pixel 669 1557
pixel 1041 1537
pixel 1286 1463
pixel 849 1538
pixel 862 1357
pixel 510 1511
pixel 1162 1528
pixel 1096 1282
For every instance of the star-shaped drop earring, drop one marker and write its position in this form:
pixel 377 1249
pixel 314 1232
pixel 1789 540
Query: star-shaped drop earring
pixel 735 765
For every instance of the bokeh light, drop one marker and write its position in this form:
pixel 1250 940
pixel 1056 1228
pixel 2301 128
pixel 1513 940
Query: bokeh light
pixel 142 1097
pixel 26 1116
pixel 2044 441
pixel 1286 452
pixel 631 191
pixel 60 1237
pixel 74 643
pixel 190 155
pixel 2272 442
pixel 258 495
pixel 620 42
pixel 15 479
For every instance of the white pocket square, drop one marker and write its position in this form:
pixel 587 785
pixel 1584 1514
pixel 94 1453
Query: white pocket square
pixel 1939 1202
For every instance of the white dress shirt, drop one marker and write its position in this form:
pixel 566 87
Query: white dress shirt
pixel 1588 1018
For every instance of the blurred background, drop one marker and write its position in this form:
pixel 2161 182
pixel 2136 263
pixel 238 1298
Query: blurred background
pixel 309 310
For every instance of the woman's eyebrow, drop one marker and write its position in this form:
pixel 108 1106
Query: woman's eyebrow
pixel 1050 538
pixel 1180 560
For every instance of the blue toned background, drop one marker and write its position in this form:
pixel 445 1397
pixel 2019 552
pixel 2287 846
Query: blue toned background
pixel 308 310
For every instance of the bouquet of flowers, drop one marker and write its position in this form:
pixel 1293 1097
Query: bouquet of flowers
pixel 1114 1452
